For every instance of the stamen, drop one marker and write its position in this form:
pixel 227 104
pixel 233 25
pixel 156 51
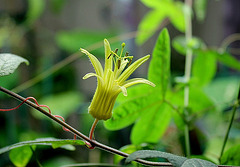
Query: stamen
pixel 119 63
pixel 123 45
pixel 109 55
pixel 116 50
pixel 126 54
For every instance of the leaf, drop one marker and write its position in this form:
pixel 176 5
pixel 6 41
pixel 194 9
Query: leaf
pixel 231 156
pixel 180 45
pixel 204 67
pixel 35 10
pixel 127 112
pixel 200 9
pixel 198 100
pixel 20 156
pixel 57 5
pixel 148 25
pixel 195 162
pixel 159 68
pixel 175 160
pixel 129 149
pixel 152 3
pixel 176 15
pixel 55 143
pixel 228 60
pixel 152 124
pixel 9 63
pixel 61 104
pixel 223 91
pixel 71 41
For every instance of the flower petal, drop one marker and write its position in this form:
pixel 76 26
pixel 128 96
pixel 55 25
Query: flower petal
pixel 124 90
pixel 96 64
pixel 88 75
pixel 108 59
pixel 123 77
pixel 135 81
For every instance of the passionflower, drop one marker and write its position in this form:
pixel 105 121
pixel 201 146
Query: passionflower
pixel 112 80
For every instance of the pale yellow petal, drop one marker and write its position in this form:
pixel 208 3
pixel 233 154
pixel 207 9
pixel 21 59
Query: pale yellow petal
pixel 124 90
pixel 124 76
pixel 96 64
pixel 108 58
pixel 135 81
pixel 88 75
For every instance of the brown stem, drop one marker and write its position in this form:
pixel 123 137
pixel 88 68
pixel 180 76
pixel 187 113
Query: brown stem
pixel 79 134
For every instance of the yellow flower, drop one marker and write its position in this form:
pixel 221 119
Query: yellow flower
pixel 112 81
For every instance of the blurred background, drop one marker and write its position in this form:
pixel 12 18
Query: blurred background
pixel 49 32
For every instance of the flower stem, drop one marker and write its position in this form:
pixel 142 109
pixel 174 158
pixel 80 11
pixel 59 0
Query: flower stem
pixel 228 130
pixel 188 65
pixel 92 129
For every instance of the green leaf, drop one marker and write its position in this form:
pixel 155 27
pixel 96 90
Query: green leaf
pixel 148 25
pixel 176 15
pixel 71 41
pixel 159 68
pixel 60 104
pixel 175 160
pixel 204 67
pixel 20 156
pixel 152 124
pixel 55 143
pixel 127 112
pixel 228 60
pixel 152 3
pixel 35 10
pixel 200 9
pixel 223 91
pixel 198 100
pixel 129 149
pixel 195 162
pixel 9 63
pixel 57 5
pixel 231 156
pixel 180 45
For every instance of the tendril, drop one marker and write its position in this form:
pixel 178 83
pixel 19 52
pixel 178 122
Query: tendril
pixel 49 111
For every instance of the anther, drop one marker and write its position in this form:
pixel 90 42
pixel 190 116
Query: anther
pixel 119 63
pixel 129 63
pixel 109 55
pixel 116 50
pixel 126 54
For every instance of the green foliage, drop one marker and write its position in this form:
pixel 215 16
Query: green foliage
pixel 9 63
pixel 176 161
pixel 57 5
pixel 35 10
pixel 152 124
pixel 174 10
pixel 145 105
pixel 180 44
pixel 20 156
pixel 204 68
pixel 71 41
pixel 231 156
pixel 55 143
pixel 200 9
pixel 159 68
